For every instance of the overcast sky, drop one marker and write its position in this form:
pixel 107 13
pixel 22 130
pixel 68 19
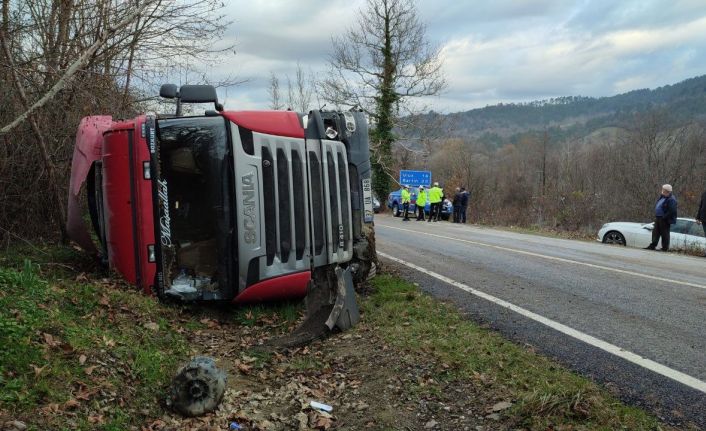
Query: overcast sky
pixel 494 51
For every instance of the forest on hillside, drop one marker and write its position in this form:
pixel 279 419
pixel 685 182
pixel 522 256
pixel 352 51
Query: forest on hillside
pixel 570 163
pixel 569 116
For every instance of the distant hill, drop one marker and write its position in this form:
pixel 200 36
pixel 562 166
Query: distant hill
pixel 575 116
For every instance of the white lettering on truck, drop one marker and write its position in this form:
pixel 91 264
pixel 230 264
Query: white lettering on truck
pixel 249 213
pixel 164 220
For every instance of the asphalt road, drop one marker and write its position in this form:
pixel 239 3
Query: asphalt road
pixel 633 320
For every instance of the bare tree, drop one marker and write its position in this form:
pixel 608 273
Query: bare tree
pixel 383 60
pixel 76 65
pixel 304 90
pixel 62 60
pixel 273 90
pixel 300 92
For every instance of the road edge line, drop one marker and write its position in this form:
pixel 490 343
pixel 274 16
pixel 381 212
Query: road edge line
pixel 636 359
pixel 558 259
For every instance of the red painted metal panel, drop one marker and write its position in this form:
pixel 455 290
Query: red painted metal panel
pixel 145 216
pixel 117 203
pixel 278 123
pixel 290 286
pixel 89 141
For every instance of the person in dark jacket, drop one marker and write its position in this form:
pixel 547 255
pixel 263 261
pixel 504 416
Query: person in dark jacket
pixel 465 196
pixel 665 217
pixel 701 213
pixel 457 205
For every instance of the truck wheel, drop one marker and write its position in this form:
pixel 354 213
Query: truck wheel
pixel 197 388
pixel 395 210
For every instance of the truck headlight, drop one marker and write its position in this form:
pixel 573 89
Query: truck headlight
pixel 350 121
pixel 151 255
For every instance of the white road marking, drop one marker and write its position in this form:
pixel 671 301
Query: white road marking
pixel 558 259
pixel 649 364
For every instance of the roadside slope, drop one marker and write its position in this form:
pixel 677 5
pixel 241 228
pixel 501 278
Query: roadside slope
pixel 88 352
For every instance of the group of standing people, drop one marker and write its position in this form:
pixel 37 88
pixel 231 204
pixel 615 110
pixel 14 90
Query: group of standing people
pixel 435 196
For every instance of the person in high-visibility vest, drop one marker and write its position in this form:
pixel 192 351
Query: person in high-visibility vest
pixel 421 203
pixel 436 194
pixel 406 198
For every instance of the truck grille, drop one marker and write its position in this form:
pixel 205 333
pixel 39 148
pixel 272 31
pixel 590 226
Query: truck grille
pixel 284 197
pixel 338 204
pixel 301 212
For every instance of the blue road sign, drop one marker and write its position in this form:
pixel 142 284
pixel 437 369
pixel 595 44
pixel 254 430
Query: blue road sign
pixel 415 178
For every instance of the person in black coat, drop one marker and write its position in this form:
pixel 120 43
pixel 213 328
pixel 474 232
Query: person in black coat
pixel 465 196
pixel 665 217
pixel 457 205
pixel 701 213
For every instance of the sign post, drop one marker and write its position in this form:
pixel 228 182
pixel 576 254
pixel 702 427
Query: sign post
pixel 415 178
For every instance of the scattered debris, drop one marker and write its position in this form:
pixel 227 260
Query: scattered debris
pixel 320 406
pixel 14 426
pixel 151 326
pixel 502 405
pixel 197 388
pixel 302 420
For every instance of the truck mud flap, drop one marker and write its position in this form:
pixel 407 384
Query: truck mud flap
pixel 330 304
pixel 345 313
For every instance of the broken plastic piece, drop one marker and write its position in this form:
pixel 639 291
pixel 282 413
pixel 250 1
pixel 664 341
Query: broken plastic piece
pixel 235 426
pixel 321 406
pixel 345 312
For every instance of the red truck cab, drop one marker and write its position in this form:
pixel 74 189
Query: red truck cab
pixel 232 205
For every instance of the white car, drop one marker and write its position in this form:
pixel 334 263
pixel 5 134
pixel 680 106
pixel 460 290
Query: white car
pixel 685 234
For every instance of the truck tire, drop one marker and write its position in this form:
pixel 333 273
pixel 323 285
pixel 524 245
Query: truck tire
pixel 396 210
pixel 198 387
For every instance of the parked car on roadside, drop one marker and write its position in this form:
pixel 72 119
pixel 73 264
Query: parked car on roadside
pixel 376 205
pixel 685 234
pixel 394 202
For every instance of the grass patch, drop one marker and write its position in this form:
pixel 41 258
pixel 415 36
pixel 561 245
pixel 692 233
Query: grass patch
pixel 305 363
pixel 76 352
pixel 86 351
pixel 279 312
pixel 544 394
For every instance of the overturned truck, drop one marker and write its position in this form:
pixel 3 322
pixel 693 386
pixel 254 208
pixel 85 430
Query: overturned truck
pixel 238 206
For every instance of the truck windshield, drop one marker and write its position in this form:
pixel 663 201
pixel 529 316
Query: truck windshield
pixel 194 177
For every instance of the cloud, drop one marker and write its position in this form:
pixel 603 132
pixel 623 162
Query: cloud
pixel 548 61
pixel 501 51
